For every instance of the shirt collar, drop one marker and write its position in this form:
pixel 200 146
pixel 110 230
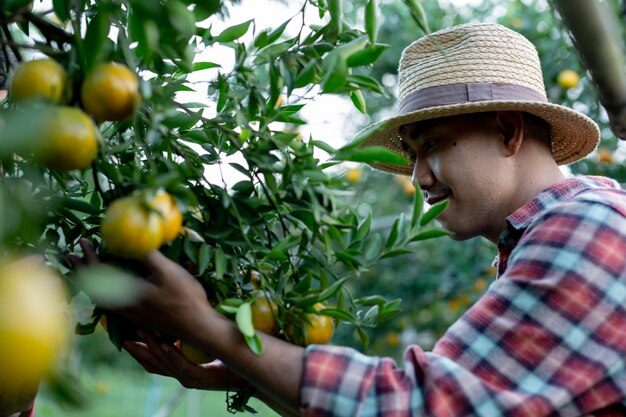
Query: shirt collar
pixel 522 217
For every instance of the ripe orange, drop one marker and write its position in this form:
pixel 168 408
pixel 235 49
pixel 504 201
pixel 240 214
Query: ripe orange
pixel 568 78
pixel 110 92
pixel 131 230
pixel 33 323
pixel 40 79
pixel 354 175
pixel 263 314
pixel 194 354
pixel 318 330
pixel 68 139
pixel 171 216
pixel 407 185
pixel 605 155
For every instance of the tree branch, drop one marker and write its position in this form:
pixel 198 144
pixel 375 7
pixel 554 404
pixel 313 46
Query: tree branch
pixel 596 33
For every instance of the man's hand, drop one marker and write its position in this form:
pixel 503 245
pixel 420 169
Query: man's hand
pixel 164 359
pixel 171 300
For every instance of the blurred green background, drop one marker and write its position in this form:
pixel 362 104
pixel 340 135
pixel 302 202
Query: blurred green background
pixel 436 284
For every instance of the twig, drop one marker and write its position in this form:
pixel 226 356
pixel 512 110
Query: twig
pixel 48 29
pixel 9 37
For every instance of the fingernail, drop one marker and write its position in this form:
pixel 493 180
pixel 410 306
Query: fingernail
pixel 166 347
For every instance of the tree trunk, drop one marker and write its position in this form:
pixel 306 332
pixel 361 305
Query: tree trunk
pixel 596 33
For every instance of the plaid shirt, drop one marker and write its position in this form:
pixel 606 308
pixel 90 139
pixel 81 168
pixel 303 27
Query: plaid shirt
pixel 548 338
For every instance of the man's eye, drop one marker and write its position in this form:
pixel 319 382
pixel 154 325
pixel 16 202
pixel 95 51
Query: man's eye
pixel 427 144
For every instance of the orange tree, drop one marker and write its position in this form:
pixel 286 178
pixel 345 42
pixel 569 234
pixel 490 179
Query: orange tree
pixel 96 143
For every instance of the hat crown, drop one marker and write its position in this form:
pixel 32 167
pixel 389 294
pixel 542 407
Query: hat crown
pixel 468 54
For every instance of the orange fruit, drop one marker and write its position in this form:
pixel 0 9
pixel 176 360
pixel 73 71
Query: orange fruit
pixel 568 78
pixel 263 314
pixel 354 175
pixel 68 139
pixel 604 155
pixel 40 79
pixel 316 329
pixel 131 230
pixel 33 323
pixel 110 92
pixel 193 354
pixel 171 216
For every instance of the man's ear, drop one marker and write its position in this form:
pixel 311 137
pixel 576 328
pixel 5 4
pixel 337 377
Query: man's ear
pixel 511 126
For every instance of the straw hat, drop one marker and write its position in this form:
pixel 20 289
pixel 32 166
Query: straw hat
pixel 479 67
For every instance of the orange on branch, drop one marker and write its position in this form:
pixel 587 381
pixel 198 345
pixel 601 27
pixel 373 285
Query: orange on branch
pixel 131 230
pixel 193 354
pixel 68 139
pixel 171 216
pixel 263 314
pixel 110 92
pixel 33 323
pixel 40 79
pixel 568 78
pixel 315 329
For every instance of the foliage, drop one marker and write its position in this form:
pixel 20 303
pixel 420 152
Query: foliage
pixel 256 197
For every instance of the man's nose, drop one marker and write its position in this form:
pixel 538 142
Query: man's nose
pixel 422 175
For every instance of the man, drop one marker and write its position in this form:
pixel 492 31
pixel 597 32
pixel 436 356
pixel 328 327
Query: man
pixel 547 338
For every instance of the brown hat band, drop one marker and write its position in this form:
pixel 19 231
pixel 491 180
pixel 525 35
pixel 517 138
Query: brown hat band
pixel 441 95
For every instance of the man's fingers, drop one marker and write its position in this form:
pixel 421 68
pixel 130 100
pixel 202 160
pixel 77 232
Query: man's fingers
pixel 90 254
pixel 158 264
pixel 74 261
pixel 140 352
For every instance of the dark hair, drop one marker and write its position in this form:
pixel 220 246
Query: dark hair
pixel 537 128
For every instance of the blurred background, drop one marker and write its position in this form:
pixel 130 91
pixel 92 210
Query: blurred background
pixel 436 283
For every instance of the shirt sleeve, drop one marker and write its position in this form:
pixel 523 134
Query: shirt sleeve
pixel 548 338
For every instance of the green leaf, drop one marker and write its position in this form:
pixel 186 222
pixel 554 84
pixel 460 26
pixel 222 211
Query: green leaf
pixel 199 66
pixel 220 263
pixel 371 20
pixel 358 100
pixel 418 205
pixel 332 290
pixel 433 212
pixel 372 155
pixel 337 314
pixel 365 339
pixel 371 300
pixel 78 205
pixel 255 345
pixel 336 74
pixel 97 34
pixel 366 56
pixel 204 257
pixel 243 318
pixel 306 75
pixel 393 235
pixel 428 234
pixel 62 9
pixel 366 82
pixel 336 15
pixel 364 229
pixel 233 33
pixel 371 314
pixel 181 19
pixel 418 14
pixel 303 302
pixel 275 34
pixel 279 251
pixel 108 286
pixel 374 247
pixel 363 136
pixel 324 146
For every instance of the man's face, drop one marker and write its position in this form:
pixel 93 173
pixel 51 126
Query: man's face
pixel 461 159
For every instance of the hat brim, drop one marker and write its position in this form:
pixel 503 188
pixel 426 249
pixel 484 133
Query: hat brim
pixel 573 134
